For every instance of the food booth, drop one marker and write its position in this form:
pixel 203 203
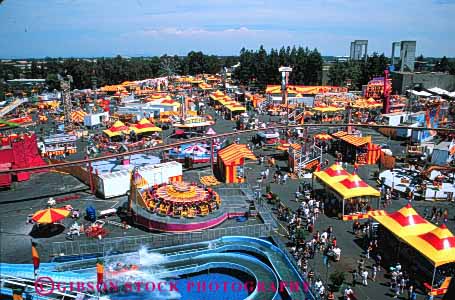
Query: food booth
pixel 426 251
pixel 350 197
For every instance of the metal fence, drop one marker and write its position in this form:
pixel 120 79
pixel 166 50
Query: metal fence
pixel 133 243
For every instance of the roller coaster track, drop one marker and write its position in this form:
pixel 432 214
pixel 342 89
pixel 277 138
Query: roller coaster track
pixel 221 135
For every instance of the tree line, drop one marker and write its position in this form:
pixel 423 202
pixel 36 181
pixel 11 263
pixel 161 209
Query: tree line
pixel 259 67
pixel 117 69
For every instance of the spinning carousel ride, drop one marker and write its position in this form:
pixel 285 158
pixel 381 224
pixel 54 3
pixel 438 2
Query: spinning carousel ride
pixel 182 200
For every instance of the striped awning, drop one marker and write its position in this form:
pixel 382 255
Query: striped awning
pixel 234 153
pixel 339 134
pixel 405 222
pixel 438 245
pixel 353 186
pixel 332 174
pixel 356 140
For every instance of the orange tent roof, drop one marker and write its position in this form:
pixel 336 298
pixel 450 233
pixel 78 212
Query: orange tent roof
pixel 438 245
pixel 339 134
pixel 323 137
pixel 332 174
pixel 353 186
pixel 405 222
pixel 234 153
pixel 356 140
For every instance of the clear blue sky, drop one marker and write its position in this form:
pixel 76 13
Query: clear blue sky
pixel 85 28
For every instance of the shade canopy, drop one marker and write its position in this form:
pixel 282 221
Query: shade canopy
pixel 50 215
pixel 328 109
pixel 353 186
pixel 332 174
pixel 144 126
pixel 356 141
pixel 438 245
pixel 405 222
pixel 118 128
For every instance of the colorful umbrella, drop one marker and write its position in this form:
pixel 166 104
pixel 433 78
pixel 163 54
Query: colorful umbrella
pixel 323 137
pixel 50 215
pixel 210 131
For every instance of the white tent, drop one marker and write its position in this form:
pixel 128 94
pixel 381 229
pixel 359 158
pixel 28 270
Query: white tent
pixel 422 93
pixel 439 91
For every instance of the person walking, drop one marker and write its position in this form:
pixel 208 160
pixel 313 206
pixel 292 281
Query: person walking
pixel 355 275
pixel 364 277
pixel 374 271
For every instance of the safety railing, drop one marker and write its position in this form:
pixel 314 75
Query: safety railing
pixel 134 243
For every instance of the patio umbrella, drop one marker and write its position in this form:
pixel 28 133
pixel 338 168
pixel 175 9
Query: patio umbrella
pixel 323 137
pixel 194 149
pixel 210 131
pixel 50 215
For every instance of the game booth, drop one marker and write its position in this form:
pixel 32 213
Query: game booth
pixel 425 250
pixel 348 196
pixel 357 149
pixel 230 163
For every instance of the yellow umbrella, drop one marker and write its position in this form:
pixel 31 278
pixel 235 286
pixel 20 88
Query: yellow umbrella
pixel 50 215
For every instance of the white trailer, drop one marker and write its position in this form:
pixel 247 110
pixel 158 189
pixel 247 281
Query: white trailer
pixel 118 183
pixel 95 119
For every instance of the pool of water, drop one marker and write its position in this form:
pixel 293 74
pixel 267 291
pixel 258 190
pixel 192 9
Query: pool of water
pixel 195 287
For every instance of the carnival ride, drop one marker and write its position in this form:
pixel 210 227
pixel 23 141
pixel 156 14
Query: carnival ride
pixel 254 258
pixel 181 199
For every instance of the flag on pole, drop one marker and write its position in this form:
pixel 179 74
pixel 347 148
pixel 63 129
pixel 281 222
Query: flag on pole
pixel 35 257
pixel 99 272
pixel 139 181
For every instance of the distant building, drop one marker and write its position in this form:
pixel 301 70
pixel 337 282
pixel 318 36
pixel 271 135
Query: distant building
pixel 359 50
pixel 405 61
pixel 402 81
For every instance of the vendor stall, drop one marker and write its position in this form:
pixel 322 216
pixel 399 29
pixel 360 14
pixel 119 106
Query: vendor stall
pixel 351 198
pixel 355 195
pixel 413 238
pixel 118 129
pixel 230 162
pixel 58 144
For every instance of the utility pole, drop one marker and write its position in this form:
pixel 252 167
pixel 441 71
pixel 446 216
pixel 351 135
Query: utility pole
pixel 65 85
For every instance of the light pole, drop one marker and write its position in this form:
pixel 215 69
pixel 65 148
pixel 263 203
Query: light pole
pixel 284 90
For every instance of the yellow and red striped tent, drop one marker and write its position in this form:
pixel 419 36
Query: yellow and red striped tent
pixel 405 222
pixel 332 174
pixel 353 186
pixel 50 215
pixel 229 158
pixel 117 129
pixel 144 126
pixel 438 245
pixel 78 116
pixel 373 154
